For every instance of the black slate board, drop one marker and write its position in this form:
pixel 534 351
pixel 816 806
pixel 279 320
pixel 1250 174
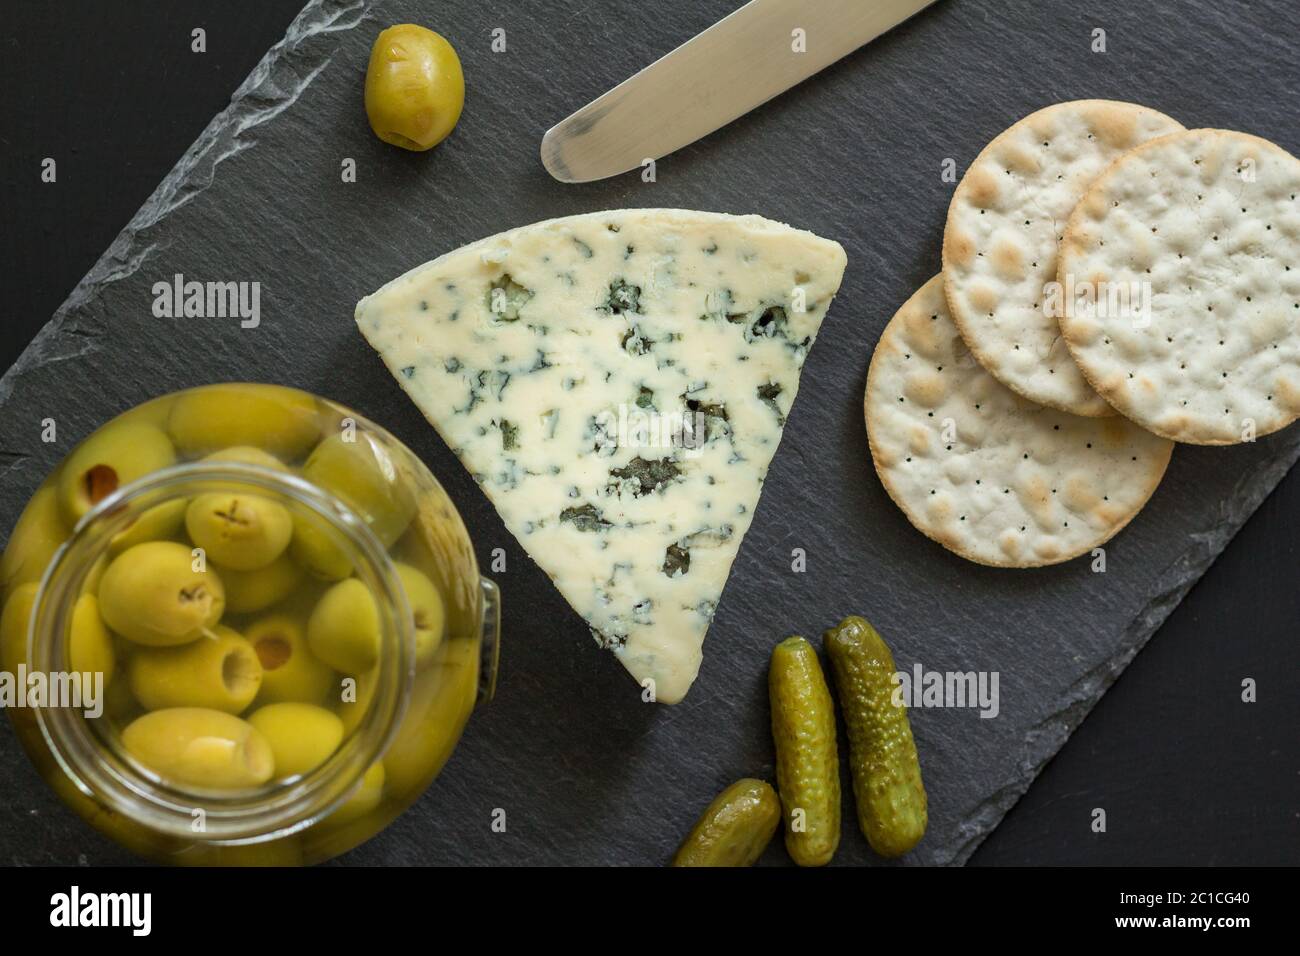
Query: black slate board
pixel 584 771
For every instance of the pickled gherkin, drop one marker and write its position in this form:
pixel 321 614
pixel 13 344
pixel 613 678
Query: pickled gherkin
pixel 735 829
pixel 882 754
pixel 807 763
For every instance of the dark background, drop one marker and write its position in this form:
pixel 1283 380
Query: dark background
pixel 1187 773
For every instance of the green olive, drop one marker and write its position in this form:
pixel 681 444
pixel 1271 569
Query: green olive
pixel 283 421
pixel 247 455
pixel 221 672
pixel 118 453
pixel 250 591
pixel 359 469
pixel 200 747
pixel 153 412
pixel 290 671
pixel 15 623
pixel 363 800
pixel 415 88
pixel 37 535
pixel 344 629
pixel 362 693
pixel 14 627
pixel 302 736
pixel 152 594
pixel 366 476
pixel 426 606
pixel 440 703
pixel 239 530
pixel 158 523
pixel 316 547
pixel 90 646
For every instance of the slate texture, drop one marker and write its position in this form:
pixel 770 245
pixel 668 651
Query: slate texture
pixel 586 773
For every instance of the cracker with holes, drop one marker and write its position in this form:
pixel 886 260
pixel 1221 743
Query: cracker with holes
pixel 989 475
pixel 1005 221
pixel 1202 229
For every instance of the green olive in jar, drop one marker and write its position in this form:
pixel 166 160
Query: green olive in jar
pixel 158 523
pixel 290 671
pixel 428 732
pixel 352 699
pixel 415 88
pixel 363 800
pixel 280 421
pixel 90 646
pixel 14 627
pixel 221 672
pixel 160 595
pixel 247 455
pixel 426 609
pixel 201 747
pixel 317 548
pixel 363 472
pixel 359 469
pixel 37 535
pixel 302 736
pixel 239 530
pixel 251 591
pixel 108 459
pixel 344 629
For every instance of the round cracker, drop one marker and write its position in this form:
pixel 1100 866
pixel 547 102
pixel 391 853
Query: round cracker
pixel 1005 220
pixel 990 476
pixel 1205 226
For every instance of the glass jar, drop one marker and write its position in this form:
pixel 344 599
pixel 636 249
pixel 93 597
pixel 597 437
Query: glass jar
pixel 282 613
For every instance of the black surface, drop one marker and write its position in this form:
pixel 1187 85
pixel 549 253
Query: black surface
pixel 1088 897
pixel 1186 772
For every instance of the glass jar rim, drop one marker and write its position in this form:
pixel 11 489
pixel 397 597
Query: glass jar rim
pixel 124 785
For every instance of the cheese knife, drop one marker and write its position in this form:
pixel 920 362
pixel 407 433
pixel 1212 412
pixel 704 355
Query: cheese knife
pixel 739 63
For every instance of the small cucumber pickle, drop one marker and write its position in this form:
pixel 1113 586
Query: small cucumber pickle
pixel 735 829
pixel 807 763
pixel 882 754
pixel 282 609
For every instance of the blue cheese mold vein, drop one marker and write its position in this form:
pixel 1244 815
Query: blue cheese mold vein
pixel 617 383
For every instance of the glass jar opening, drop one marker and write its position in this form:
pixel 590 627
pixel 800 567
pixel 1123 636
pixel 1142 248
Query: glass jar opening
pixel 92 756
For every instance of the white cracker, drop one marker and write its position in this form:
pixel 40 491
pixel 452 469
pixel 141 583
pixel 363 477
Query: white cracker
pixel 1208 223
pixel 1000 242
pixel 987 474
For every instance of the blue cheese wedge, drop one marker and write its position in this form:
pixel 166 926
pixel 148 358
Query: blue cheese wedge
pixel 617 383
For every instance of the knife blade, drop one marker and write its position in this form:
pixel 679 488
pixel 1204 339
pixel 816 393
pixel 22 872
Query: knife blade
pixel 739 63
